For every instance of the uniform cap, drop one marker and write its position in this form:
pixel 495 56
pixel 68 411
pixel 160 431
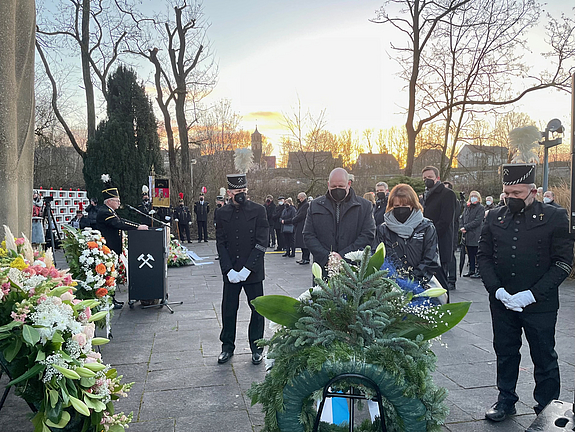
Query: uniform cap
pixel 520 173
pixel 237 181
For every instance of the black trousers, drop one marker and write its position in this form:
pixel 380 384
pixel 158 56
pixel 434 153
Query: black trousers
pixel 305 254
pixel 272 236
pixel 452 271
pixel 184 229
pixel 289 243
pixel 472 253
pixel 202 229
pixel 280 239
pixel 230 305
pixel 540 334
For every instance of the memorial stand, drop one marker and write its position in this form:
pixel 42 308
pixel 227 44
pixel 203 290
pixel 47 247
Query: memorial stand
pixel 148 267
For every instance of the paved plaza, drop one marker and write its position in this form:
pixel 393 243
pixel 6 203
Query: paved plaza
pixel 179 387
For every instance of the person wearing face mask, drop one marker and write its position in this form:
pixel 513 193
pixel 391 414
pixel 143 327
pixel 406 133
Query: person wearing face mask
pixel 549 198
pixel 338 221
pixel 183 218
pixel 439 204
pixel 470 227
pixel 525 252
pixel 278 223
pixel 241 240
pixel 410 239
pixel 270 210
pixel 145 207
pixel 381 192
pixel 201 210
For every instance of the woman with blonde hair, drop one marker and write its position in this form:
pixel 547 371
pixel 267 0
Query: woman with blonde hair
pixel 470 227
pixel 410 239
pixel 370 197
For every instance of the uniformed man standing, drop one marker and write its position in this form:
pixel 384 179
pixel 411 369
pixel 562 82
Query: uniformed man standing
pixel 201 209
pixel 525 252
pixel 241 240
pixel 111 225
pixel 183 218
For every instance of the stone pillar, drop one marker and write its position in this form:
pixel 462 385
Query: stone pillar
pixel 17 36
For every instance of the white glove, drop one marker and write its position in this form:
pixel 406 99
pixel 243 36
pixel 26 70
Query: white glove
pixel 523 298
pixel 177 220
pixel 152 212
pixel 189 223
pixel 507 299
pixel 244 274
pixel 167 218
pixel 234 276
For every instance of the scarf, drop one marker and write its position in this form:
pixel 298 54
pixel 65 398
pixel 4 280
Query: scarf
pixel 403 230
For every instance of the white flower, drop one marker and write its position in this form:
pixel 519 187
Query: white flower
pixel 306 295
pixel 105 178
pixel 354 256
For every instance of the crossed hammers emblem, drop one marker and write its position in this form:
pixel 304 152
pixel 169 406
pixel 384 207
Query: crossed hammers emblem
pixel 146 260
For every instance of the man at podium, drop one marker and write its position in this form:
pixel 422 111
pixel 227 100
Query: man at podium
pixel 111 225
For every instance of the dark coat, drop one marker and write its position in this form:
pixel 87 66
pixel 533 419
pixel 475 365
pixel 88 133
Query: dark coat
pixel 111 225
pixel 182 214
pixel 201 211
pixel 270 210
pixel 242 235
pixel 145 207
pixel 90 220
pixel 288 214
pixel 532 250
pixel 299 220
pixel 417 254
pixel 439 206
pixel 379 211
pixel 278 216
pixel 471 220
pixel 355 230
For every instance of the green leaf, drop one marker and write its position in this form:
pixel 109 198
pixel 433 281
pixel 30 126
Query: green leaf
pixel 98 316
pixel 68 373
pixel 376 260
pixel 94 404
pixel 54 414
pixel 12 350
pixel 63 421
pixel 9 327
pixel 453 313
pixel 30 334
pixel 116 428
pixel 279 309
pixel 40 356
pixel 99 341
pixel 87 382
pixel 57 338
pixel 34 370
pixel 58 291
pixel 54 396
pixel 80 406
pixel 84 373
pixel 96 367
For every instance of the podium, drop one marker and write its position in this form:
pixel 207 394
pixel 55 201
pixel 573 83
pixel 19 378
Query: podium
pixel 148 266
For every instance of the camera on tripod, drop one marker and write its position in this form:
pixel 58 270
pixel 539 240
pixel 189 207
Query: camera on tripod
pixel 48 199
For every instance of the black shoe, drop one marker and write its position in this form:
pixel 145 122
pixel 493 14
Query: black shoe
pixel 205 241
pixel 499 412
pixel 299 261
pixel 224 357
pixel 304 262
pixel 199 241
pixel 468 274
pixel 190 242
pixel 285 255
pixel 475 276
pixel 278 250
pixel 217 258
pixel 118 304
pixel 257 358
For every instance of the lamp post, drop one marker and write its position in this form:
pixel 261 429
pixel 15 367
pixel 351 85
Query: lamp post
pixel 556 129
pixel 192 163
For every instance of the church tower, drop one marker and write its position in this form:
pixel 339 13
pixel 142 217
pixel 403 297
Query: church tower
pixel 257 146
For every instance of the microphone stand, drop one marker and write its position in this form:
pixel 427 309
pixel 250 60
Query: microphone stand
pixel 147 215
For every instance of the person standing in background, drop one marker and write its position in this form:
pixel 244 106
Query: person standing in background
pixel 202 209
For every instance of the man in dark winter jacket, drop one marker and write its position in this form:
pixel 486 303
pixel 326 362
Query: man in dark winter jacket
pixel 270 210
pixel 381 191
pixel 278 223
pixel 299 221
pixel 439 204
pixel 338 221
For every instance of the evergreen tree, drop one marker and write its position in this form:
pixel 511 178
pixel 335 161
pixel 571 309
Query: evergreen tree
pixel 126 145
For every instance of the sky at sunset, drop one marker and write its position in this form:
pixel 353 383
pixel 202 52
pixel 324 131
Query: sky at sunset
pixel 327 53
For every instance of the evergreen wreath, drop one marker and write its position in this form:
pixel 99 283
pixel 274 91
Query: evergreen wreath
pixel 359 321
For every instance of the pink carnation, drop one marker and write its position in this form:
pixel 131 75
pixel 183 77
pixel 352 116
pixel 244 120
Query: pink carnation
pixel 42 298
pixel 19 241
pixel 80 338
pixel 67 296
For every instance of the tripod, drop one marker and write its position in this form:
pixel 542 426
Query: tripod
pixel 48 216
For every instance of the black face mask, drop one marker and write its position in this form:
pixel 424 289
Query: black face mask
pixel 240 198
pixel 218 205
pixel 429 183
pixel 181 205
pixel 515 205
pixel 381 195
pixel 146 200
pixel 401 213
pixel 338 194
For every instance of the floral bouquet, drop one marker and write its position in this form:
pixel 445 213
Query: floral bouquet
pixel 360 321
pixel 47 346
pixel 178 255
pixel 92 264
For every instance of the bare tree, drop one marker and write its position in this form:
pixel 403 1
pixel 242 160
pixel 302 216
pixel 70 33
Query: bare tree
pixel 185 72
pixel 452 59
pixel 93 32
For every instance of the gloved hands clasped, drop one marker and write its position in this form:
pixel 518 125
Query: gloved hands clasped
pixel 517 301
pixel 237 277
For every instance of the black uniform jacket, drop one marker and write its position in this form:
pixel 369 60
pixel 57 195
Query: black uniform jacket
pixel 241 238
pixel 111 225
pixel 201 211
pixel 356 228
pixel 418 253
pixel 532 250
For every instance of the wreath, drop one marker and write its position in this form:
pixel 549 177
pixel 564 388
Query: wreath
pixel 362 320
